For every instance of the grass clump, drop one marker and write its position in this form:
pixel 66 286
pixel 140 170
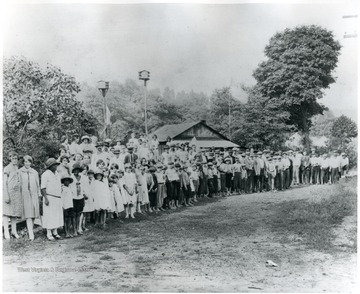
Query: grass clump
pixel 313 222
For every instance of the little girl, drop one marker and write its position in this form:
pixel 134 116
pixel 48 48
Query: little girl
pixel 123 194
pixel 89 203
pixel 130 187
pixel 112 209
pixel 194 181
pixel 101 197
pixel 119 203
pixel 67 198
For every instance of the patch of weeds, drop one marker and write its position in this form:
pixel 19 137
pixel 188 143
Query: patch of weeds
pixel 86 284
pixel 90 238
pixel 313 221
pixel 106 257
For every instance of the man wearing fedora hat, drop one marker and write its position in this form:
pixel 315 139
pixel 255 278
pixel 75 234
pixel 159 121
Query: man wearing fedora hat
pixel 131 158
pixel 53 217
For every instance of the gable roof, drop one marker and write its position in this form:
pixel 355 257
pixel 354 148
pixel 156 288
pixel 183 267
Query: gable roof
pixel 172 130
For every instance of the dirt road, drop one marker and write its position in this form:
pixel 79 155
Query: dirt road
pixel 220 245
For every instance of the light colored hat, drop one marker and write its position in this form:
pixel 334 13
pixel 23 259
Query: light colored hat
pixel 85 137
pixel 50 162
pixel 87 149
pixel 66 177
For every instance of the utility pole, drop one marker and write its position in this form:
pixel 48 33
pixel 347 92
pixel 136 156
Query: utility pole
pixel 145 76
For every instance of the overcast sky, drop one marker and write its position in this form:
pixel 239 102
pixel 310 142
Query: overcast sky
pixel 184 46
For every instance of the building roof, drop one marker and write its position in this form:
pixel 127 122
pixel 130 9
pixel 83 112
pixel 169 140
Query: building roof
pixel 212 143
pixel 172 130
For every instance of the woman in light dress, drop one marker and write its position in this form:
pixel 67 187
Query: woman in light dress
pixel 12 200
pixel 53 216
pixel 30 192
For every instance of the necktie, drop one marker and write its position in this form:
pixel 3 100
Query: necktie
pixel 28 180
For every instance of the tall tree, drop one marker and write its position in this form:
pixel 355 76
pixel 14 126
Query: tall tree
pixel 223 105
pixel 343 129
pixel 321 124
pixel 264 123
pixel 299 67
pixel 40 105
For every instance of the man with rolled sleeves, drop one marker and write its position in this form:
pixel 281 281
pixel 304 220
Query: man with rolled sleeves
pixel 324 166
pixel 249 166
pixel 334 167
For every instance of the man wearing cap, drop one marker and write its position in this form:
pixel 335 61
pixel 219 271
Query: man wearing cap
pixel 116 158
pixel 305 166
pixel 210 179
pixel 131 157
pixel 172 177
pixel 202 157
pixel 98 155
pixel 315 169
pixel 53 217
pixel 334 167
pixel 192 153
pixel 249 166
pixel 259 167
pixel 296 167
pixel 279 178
pixel 324 169
pixel 286 170
pixel 237 175
pixel 166 156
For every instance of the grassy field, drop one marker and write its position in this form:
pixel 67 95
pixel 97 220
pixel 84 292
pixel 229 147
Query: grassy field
pixel 312 222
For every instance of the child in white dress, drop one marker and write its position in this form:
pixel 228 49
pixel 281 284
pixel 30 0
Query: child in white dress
pixel 89 203
pixel 101 197
pixel 130 188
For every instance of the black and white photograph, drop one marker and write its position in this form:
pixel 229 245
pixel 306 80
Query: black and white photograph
pixel 180 146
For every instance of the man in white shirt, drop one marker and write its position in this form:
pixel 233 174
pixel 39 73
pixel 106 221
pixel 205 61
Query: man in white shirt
pixel 344 164
pixel 296 167
pixel 334 167
pixel 324 165
pixel 315 168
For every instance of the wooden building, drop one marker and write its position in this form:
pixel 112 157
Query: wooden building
pixel 198 133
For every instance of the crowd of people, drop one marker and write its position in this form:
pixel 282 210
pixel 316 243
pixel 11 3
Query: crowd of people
pixel 92 181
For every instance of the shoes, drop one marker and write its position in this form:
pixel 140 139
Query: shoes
pixel 50 238
pixel 79 232
pixel 57 236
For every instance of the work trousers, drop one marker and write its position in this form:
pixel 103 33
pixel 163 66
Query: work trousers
pixel 334 175
pixel 250 181
pixel 237 181
pixel 315 175
pixel 324 178
pixel 296 170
